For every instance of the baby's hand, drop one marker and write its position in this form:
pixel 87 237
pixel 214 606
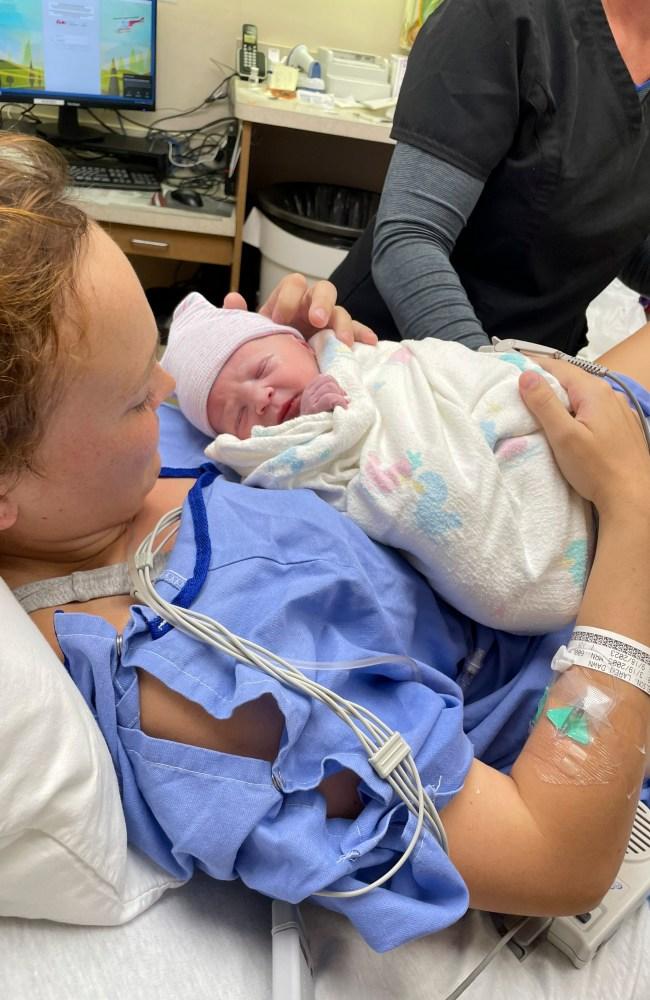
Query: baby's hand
pixel 322 395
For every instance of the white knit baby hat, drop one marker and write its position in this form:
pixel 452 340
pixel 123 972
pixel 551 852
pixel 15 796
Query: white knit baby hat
pixel 201 339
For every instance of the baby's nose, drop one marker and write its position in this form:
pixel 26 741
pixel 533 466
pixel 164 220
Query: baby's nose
pixel 263 399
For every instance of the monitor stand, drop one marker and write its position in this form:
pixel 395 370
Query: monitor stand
pixel 67 131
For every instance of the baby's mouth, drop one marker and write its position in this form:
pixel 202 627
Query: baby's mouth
pixel 290 408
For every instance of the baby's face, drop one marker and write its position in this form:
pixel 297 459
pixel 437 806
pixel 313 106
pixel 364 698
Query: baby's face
pixel 261 383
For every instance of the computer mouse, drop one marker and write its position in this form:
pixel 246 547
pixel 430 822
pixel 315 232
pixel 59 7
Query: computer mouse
pixel 187 197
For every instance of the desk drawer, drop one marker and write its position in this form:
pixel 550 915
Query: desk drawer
pixel 172 243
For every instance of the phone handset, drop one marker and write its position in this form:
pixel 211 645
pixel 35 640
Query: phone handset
pixel 249 55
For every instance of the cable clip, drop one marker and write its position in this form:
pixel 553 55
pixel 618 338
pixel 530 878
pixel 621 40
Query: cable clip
pixel 508 345
pixel 142 560
pixel 390 756
pixel 138 561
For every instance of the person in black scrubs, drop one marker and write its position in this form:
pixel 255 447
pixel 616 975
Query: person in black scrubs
pixel 520 183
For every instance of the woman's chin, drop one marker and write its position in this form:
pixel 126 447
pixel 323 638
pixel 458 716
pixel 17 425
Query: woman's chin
pixel 155 471
pixel 152 476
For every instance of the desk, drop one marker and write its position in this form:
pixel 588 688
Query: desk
pixel 253 106
pixel 139 227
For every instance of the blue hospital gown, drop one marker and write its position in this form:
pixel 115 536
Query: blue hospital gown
pixel 287 571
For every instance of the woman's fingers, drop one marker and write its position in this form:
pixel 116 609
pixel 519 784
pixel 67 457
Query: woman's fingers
pixel 599 446
pixel 544 404
pixel 293 303
pixel 363 334
pixel 341 324
pixel 348 330
pixel 322 308
pixel 308 309
pixel 234 300
pixel 286 304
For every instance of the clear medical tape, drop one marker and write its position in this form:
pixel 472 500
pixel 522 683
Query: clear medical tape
pixel 588 732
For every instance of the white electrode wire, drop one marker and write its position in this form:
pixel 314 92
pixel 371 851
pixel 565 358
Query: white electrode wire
pixel 485 961
pixel 404 779
pixel 241 648
pixel 234 645
pixel 345 710
pixel 635 403
pixel 205 636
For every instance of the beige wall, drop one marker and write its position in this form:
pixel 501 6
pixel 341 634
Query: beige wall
pixel 190 32
pixel 193 32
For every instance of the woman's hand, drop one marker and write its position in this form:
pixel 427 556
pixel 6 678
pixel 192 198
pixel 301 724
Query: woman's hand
pixel 293 303
pixel 599 446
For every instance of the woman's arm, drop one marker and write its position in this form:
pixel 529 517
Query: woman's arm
pixel 631 357
pixel 550 838
pixel 425 205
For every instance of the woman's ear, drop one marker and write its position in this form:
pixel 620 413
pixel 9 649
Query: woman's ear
pixel 8 510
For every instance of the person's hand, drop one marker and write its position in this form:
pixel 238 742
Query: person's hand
pixel 322 395
pixel 599 445
pixel 309 310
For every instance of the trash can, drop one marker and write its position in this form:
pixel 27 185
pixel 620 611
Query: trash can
pixel 307 228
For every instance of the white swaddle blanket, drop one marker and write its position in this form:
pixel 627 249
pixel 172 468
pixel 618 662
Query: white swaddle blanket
pixel 438 456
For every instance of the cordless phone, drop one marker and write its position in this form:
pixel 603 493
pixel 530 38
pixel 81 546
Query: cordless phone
pixel 249 55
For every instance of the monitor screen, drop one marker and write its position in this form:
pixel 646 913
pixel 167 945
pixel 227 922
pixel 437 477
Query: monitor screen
pixel 78 53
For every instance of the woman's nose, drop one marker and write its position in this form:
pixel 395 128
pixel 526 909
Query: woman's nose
pixel 264 396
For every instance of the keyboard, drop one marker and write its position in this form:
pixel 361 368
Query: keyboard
pixel 113 175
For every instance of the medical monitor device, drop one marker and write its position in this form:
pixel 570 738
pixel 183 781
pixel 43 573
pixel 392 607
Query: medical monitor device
pixel 80 54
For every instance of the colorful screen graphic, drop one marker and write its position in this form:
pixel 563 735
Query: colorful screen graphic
pixel 84 48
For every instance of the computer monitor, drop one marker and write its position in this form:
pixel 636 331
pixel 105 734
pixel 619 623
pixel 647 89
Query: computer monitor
pixel 75 54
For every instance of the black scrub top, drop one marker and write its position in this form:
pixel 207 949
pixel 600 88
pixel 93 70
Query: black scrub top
pixel 533 98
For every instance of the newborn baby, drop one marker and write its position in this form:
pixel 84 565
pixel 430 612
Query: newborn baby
pixel 426 445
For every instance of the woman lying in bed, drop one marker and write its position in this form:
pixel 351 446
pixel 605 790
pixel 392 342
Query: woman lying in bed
pixel 224 768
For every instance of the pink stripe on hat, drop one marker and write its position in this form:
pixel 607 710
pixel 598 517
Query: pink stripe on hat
pixel 201 339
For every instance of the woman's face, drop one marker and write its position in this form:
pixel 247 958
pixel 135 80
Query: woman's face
pixel 99 455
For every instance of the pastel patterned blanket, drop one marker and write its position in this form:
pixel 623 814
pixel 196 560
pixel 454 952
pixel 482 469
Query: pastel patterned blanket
pixel 438 456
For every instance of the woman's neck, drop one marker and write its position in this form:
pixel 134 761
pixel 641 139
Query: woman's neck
pixel 24 563
pixel 21 564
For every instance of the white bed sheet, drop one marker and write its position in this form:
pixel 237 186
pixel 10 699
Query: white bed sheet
pixel 212 940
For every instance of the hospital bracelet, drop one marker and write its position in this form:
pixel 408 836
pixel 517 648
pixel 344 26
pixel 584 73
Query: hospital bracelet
pixel 607 652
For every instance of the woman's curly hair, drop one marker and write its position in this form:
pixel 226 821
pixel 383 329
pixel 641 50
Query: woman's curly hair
pixel 41 238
